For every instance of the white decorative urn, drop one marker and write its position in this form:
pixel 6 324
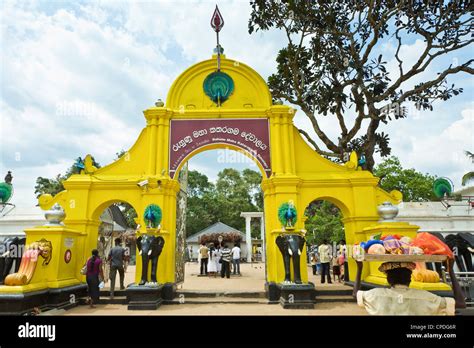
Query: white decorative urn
pixel 387 211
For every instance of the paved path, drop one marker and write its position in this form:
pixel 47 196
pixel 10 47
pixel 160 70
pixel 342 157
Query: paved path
pixel 334 308
pixel 252 280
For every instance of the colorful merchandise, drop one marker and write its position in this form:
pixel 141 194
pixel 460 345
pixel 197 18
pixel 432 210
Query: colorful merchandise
pixel 431 245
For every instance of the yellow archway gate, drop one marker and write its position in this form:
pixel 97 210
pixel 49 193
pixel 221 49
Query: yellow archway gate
pixel 174 132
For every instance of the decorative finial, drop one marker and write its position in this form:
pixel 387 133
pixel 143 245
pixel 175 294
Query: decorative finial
pixel 217 22
pixel 55 215
pixel 387 212
pixel 159 103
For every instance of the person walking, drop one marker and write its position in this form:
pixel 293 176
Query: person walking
pixel 204 253
pixel 341 260
pixel 93 277
pixel 236 259
pixel 325 253
pixel 336 269
pixel 226 255
pixel 212 263
pixel 218 259
pixel 343 251
pixel 116 259
pixel 314 261
pixel 318 261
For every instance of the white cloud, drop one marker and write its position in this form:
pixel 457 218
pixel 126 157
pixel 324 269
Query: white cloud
pixel 76 77
pixel 440 152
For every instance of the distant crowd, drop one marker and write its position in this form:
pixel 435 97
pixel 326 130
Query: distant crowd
pixel 217 259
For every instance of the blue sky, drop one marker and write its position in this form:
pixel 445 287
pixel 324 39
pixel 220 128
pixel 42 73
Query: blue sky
pixel 76 76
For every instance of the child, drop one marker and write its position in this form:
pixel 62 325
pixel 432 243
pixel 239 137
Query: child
pixel 341 260
pixel 314 261
pixel 336 269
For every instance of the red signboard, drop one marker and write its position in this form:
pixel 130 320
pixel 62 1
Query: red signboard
pixel 251 135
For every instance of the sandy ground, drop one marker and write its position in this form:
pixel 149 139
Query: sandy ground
pixel 335 308
pixel 252 279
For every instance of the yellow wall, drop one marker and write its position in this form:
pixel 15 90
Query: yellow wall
pixel 299 174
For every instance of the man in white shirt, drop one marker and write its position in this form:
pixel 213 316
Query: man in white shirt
pixel 236 259
pixel 325 256
pixel 399 299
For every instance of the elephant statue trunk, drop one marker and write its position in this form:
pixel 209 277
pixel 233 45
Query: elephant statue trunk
pixel 150 248
pixel 291 247
pixel 11 252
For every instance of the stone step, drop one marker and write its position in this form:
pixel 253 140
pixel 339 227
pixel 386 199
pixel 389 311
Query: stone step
pixel 219 294
pixel 115 300
pixel 333 292
pixel 218 300
pixel 54 311
pixel 332 298
pixel 117 292
pixel 106 300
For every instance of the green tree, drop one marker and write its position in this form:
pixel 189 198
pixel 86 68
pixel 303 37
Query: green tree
pixel 198 184
pixel 469 175
pixel 332 66
pixel 233 197
pixel 233 193
pixel 253 179
pixel 49 185
pixel 324 222
pixel 414 186
pixel 200 209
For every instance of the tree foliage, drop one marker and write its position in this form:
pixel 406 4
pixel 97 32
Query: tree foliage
pixel 332 66
pixel 233 193
pixel 324 222
pixel 414 186
pixel 469 176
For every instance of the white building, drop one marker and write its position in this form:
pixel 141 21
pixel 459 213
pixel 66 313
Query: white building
pixel 20 218
pixel 435 217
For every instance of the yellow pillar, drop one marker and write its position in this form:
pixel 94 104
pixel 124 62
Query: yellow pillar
pixel 152 125
pixel 276 151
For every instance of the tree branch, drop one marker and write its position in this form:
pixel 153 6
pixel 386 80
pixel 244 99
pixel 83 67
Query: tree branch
pixel 422 87
pixel 316 147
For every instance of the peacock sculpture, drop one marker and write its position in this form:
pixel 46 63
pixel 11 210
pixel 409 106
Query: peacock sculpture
pixel 442 187
pixel 6 188
pixel 287 214
pixel 78 165
pixel 152 216
pixel 84 166
pixel 218 86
